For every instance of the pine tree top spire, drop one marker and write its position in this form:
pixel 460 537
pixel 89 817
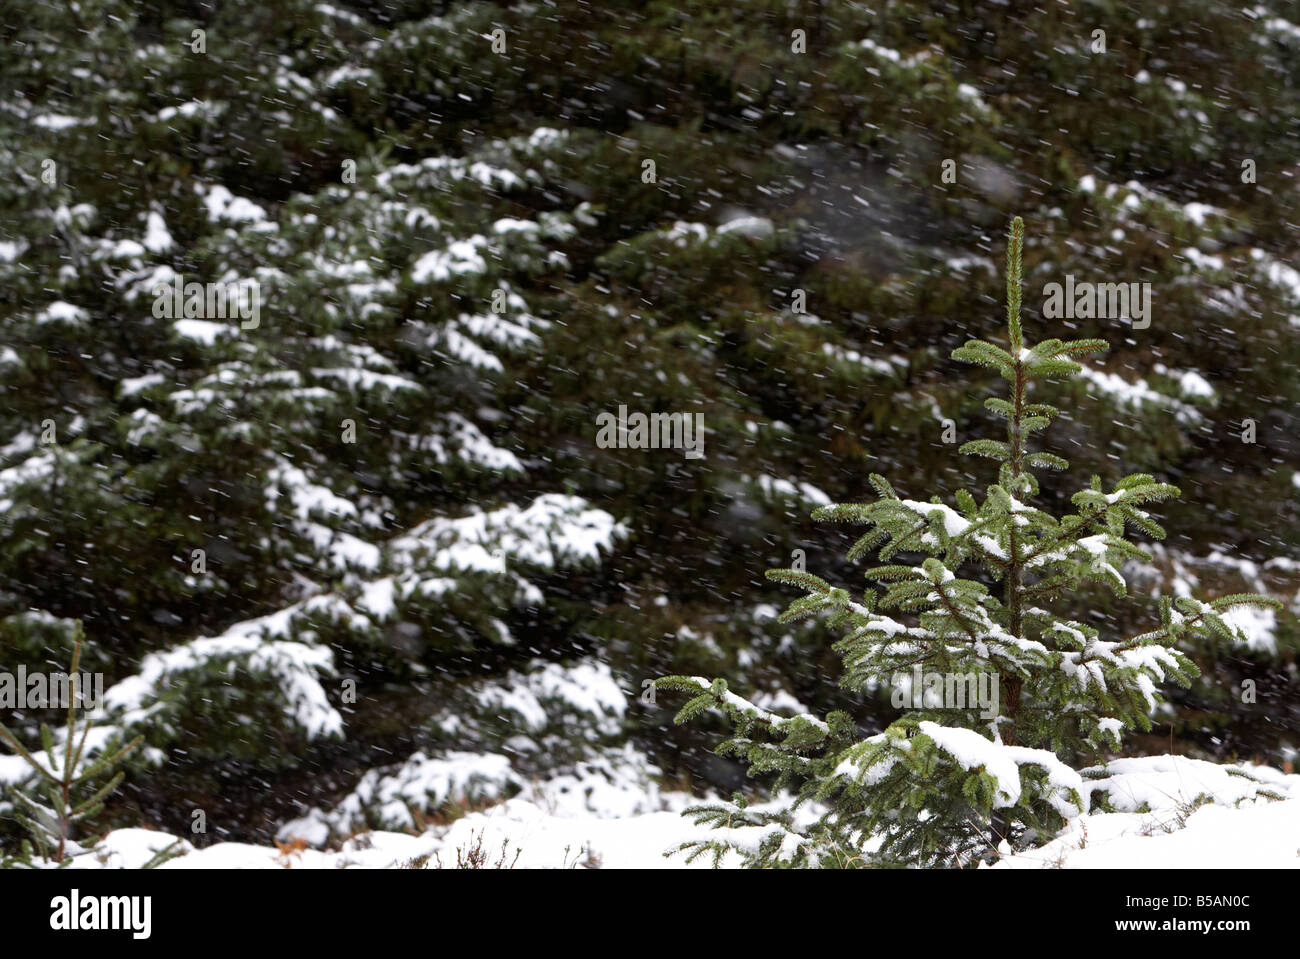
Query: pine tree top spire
pixel 1015 247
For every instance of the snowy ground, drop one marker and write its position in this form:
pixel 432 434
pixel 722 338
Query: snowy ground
pixel 608 810
pixel 1260 836
pixel 572 823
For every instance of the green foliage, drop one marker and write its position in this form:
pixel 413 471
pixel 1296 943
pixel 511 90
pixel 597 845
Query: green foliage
pixel 167 443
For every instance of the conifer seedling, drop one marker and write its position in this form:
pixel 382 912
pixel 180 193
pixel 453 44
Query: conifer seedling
pixel 64 778
pixel 943 786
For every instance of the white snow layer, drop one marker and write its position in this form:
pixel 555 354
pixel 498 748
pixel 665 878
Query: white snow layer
pixel 587 820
